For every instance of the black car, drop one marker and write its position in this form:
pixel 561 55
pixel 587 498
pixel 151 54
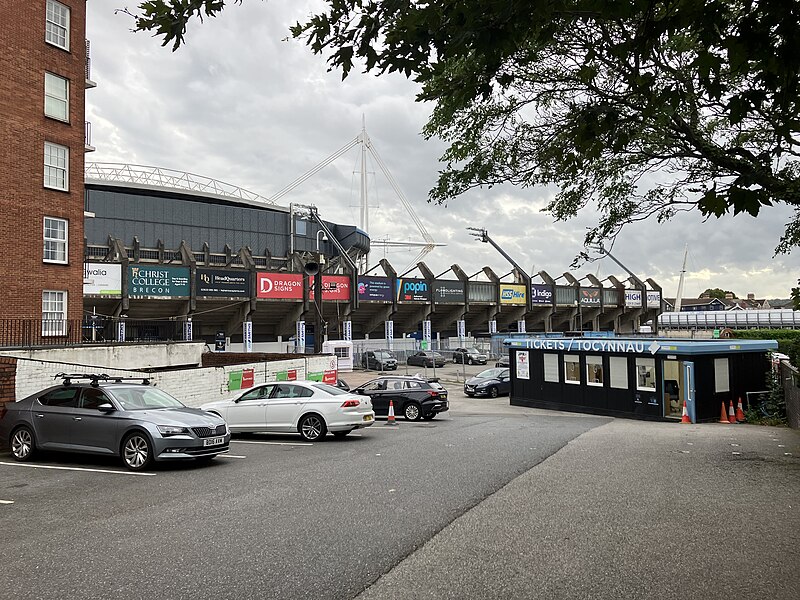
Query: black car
pixel 491 382
pixel 470 356
pixel 382 360
pixel 125 417
pixel 503 361
pixel 412 397
pixel 426 358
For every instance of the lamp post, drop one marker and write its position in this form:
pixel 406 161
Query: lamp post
pixel 318 294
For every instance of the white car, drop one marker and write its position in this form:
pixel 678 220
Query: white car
pixel 306 407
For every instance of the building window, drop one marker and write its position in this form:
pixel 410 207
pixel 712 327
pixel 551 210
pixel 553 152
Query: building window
pixel 550 367
pixel 594 370
pixel 57 29
pixel 618 372
pixel 572 369
pixel 55 240
pixel 721 375
pixel 54 313
pixel 300 227
pixel 56 168
pixel 646 374
pixel 56 97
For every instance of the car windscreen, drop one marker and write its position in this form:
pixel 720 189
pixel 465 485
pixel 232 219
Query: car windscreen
pixel 383 355
pixel 143 398
pixel 490 373
pixel 329 389
pixel 472 351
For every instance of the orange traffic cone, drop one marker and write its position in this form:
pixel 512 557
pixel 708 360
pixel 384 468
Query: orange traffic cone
pixel 391 420
pixel 731 413
pixel 685 418
pixel 740 412
pixel 723 417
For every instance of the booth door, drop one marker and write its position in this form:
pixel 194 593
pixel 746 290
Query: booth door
pixel 673 388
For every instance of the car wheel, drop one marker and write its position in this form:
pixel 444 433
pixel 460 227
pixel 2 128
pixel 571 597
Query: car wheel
pixel 136 451
pixel 312 428
pixel 22 444
pixel 412 412
pixel 341 434
pixel 429 417
pixel 493 391
pixel 469 361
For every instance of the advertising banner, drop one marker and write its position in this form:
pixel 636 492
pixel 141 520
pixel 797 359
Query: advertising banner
pixel 426 332
pixel 375 289
pixel 512 294
pixel 334 287
pixel 347 331
pixel 188 331
pixel 247 335
pixel 389 333
pixel 461 328
pixel 541 293
pixel 413 290
pixel 521 326
pixel 589 297
pixel 633 298
pixel 301 336
pixel 102 279
pixel 285 286
pixel 523 365
pixel 158 280
pixel 653 299
pixel 448 291
pixel 219 282
pixel 492 327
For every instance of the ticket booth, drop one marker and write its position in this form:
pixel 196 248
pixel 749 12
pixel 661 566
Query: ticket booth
pixel 636 377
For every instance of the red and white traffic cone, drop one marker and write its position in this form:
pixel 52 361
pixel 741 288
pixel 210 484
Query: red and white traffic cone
pixel 740 412
pixel 731 413
pixel 391 420
pixel 723 417
pixel 685 418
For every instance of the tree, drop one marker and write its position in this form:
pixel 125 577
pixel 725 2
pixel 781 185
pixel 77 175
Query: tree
pixel 642 108
pixel 717 293
pixel 796 296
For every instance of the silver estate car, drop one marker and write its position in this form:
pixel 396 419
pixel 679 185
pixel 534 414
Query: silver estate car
pixel 98 414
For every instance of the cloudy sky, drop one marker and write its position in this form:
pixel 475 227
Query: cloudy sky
pixel 242 104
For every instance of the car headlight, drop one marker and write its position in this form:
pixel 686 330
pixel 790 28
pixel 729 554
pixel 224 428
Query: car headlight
pixel 167 430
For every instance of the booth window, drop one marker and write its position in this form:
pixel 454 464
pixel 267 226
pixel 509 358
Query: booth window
pixel 721 376
pixel 550 367
pixel 572 369
pixel 618 372
pixel 341 352
pixel 594 370
pixel 646 374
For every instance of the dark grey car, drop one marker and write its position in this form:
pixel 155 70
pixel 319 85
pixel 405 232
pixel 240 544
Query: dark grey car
pixel 99 415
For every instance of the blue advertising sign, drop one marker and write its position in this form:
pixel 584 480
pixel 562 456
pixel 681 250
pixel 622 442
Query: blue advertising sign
pixel 413 290
pixel 541 293
pixel 158 280
pixel 377 289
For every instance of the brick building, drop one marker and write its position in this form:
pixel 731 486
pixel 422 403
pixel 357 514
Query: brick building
pixel 43 138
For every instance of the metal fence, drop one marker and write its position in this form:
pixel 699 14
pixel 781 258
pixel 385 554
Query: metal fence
pixel 790 377
pixel 31 333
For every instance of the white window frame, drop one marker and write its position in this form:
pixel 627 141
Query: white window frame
pixel 54 170
pixel 649 364
pixel 591 361
pixel 722 378
pixel 54 96
pixel 57 245
pixel 550 361
pixel 52 325
pixel 576 360
pixel 57 19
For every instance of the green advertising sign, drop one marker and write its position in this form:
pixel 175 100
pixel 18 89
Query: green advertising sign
pixel 158 280
pixel 234 381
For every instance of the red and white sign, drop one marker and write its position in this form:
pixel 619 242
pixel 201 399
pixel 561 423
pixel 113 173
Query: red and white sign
pixel 248 378
pixel 279 285
pixel 334 287
pixel 329 377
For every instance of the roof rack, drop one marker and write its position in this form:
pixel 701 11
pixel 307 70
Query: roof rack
pixel 96 378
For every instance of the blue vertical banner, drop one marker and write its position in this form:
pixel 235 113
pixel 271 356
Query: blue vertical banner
pixel 521 326
pixel 461 328
pixel 389 333
pixel 426 332
pixel 347 331
pixel 301 337
pixel 492 327
pixel 247 335
pixel 120 330
pixel 188 331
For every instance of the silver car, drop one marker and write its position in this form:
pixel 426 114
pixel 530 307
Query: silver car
pixel 97 414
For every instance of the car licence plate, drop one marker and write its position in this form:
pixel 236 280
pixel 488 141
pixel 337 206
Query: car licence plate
pixel 368 417
pixel 214 441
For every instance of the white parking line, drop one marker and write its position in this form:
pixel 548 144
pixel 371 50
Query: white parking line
pixel 271 443
pixel 6 502
pixel 10 464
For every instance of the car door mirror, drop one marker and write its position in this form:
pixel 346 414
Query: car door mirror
pixel 106 407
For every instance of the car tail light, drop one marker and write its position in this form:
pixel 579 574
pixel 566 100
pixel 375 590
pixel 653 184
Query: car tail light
pixel 351 403
pixel 433 394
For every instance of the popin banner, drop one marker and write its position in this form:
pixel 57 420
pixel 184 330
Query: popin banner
pixel 461 328
pixel 492 327
pixel 521 326
pixel 347 331
pixel 301 336
pixel 426 331
pixel 247 334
